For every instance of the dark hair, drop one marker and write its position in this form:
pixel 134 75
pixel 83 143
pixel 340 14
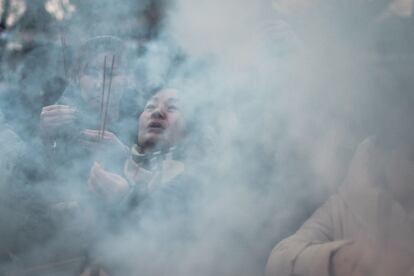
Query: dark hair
pixel 42 71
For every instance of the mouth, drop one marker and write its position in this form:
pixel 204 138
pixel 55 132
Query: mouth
pixel 155 127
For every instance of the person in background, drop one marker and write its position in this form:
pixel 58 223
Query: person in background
pixel 366 227
pixel 72 129
pixel 38 81
pixel 363 229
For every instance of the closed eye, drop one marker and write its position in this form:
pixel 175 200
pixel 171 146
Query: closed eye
pixel 172 107
pixel 150 107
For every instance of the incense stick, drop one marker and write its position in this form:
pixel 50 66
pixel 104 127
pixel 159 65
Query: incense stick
pixel 108 96
pixel 65 64
pixel 100 133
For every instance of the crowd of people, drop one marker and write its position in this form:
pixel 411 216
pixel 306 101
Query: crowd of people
pixel 105 172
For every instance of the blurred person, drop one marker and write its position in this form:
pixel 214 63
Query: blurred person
pixel 366 227
pixel 72 128
pixel 71 135
pixel 39 80
pixel 363 229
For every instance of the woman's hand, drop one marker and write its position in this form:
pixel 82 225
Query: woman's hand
pixel 365 259
pixel 110 186
pixel 106 142
pixel 56 118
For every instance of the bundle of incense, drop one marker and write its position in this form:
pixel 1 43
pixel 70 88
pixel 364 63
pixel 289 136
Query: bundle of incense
pixel 105 102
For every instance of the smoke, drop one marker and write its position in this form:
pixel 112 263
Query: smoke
pixel 278 99
pixel 280 143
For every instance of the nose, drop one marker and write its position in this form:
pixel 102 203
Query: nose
pixel 158 113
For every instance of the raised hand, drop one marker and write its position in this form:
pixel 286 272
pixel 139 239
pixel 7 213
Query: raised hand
pixel 55 119
pixel 109 186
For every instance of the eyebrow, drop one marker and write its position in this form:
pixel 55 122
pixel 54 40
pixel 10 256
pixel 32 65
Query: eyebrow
pixel 172 100
pixel 169 100
pixel 153 99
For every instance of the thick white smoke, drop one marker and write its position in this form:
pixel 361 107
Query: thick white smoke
pixel 277 97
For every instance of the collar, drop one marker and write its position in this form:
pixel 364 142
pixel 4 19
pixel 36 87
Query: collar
pixel 152 160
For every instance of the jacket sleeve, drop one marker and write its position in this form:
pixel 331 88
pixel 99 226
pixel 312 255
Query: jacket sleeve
pixel 309 250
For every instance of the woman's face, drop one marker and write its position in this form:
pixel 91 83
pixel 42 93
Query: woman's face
pixel 91 80
pixel 161 123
